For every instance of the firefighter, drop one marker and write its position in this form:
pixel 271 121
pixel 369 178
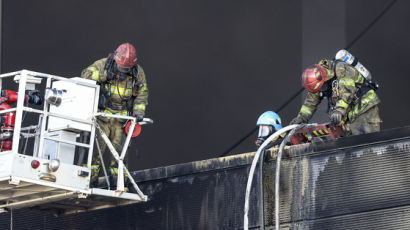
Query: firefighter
pixel 269 122
pixel 352 99
pixel 123 91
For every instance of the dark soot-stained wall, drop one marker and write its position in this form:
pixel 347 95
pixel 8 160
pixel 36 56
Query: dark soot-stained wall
pixel 212 66
pixel 358 182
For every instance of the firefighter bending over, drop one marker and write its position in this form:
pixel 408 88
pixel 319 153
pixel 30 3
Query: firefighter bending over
pixel 352 99
pixel 123 91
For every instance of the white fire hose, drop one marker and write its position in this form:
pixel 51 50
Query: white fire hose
pixel 253 166
pixel 277 174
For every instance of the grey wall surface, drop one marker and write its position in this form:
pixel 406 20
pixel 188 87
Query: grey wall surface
pixel 321 38
pixel 384 50
pixel 212 66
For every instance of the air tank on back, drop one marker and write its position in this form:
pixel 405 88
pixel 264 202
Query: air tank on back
pixel 347 57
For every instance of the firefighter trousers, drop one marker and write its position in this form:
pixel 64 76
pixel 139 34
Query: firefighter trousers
pixel 113 128
pixel 367 122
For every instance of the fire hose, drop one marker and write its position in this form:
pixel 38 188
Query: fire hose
pixel 253 166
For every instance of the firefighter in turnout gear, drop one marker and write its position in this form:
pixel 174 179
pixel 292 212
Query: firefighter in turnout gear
pixel 352 99
pixel 123 91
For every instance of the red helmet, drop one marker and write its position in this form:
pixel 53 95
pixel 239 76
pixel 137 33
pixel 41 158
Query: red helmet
pixel 126 57
pixel 313 78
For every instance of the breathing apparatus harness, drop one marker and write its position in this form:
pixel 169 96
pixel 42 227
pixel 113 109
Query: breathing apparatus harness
pixel 330 88
pixel 363 88
pixel 105 88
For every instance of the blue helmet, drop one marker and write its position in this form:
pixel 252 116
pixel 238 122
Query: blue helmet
pixel 270 118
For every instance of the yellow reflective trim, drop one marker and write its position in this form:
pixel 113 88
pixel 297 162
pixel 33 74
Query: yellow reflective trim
pixel 274 121
pixel 92 166
pixel 92 68
pixel 316 133
pixel 95 168
pixel 347 81
pixel 306 110
pixel 317 85
pixel 365 101
pixel 271 120
pixel 96 74
pixel 371 97
pixel 140 107
pixel 342 103
pixel 114 171
pixel 124 112
pixel 121 90
pixel 353 112
pixel 359 78
pixel 107 111
pixel 144 88
pixel 315 95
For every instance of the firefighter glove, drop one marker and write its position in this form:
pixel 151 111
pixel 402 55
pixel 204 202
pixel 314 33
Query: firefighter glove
pixel 298 120
pixel 336 117
pixel 139 117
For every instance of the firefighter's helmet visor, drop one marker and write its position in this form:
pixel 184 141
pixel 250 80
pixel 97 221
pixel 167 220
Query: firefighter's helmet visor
pixel 265 130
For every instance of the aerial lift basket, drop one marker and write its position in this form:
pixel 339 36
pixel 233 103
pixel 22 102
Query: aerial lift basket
pixel 37 161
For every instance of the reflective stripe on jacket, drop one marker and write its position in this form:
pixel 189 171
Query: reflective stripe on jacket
pixel 348 79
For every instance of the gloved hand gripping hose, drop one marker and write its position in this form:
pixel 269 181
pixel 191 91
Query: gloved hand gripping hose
pixel 253 166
